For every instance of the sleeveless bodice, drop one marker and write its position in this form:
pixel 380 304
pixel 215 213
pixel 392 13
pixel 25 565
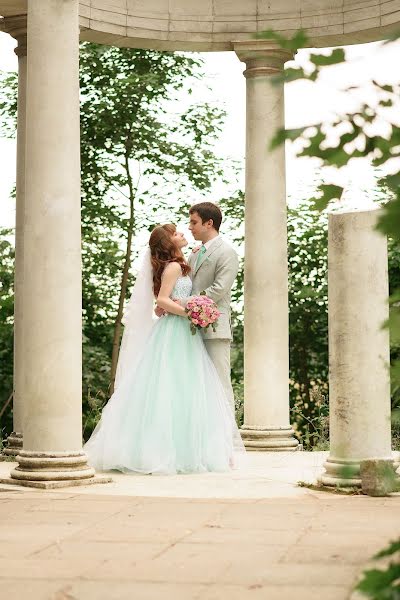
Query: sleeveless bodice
pixel 182 288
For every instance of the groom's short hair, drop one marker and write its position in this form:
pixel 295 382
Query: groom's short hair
pixel 207 211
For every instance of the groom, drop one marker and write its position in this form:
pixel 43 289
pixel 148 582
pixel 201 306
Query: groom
pixel 214 269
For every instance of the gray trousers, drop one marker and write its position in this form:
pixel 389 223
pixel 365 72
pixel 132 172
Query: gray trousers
pixel 220 354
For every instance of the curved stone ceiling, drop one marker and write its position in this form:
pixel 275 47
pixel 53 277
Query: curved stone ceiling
pixel 205 25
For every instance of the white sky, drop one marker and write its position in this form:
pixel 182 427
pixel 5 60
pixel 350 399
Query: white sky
pixel 305 103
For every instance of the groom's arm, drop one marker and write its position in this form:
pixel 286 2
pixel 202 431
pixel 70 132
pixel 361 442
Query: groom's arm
pixel 226 271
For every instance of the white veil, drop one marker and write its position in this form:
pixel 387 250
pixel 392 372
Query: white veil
pixel 138 320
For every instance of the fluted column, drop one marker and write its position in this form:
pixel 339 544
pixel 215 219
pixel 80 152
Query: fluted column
pixel 16 27
pixel 359 353
pixel 52 422
pixel 266 339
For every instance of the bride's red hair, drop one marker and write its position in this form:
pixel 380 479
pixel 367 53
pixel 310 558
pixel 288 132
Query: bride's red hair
pixel 163 251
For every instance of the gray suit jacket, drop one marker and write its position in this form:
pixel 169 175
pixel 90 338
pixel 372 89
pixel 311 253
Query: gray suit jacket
pixel 215 276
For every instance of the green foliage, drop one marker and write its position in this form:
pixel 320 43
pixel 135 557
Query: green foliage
pixel 8 103
pixel 389 222
pixel 95 383
pixel 354 131
pixel 329 192
pixel 396 430
pixel 313 430
pixel 238 393
pixel 126 114
pixel 308 321
pixel 383 584
pixel 138 148
pixel 6 323
pixel 308 317
pixel 144 159
pixel 333 58
pixel 391 549
pixel 355 134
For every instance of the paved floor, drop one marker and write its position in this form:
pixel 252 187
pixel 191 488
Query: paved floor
pixel 252 534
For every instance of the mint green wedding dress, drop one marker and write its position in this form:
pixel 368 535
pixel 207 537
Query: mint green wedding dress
pixel 170 415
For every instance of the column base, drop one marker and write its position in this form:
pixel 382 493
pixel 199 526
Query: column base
pixel 271 439
pixel 51 485
pixel 53 469
pixel 14 444
pixel 341 472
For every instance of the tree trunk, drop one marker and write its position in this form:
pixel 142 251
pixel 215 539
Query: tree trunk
pixel 6 404
pixel 124 280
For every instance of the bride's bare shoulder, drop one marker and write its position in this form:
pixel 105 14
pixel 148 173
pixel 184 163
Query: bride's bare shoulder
pixel 172 268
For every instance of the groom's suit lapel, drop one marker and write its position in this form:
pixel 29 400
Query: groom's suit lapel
pixel 192 263
pixel 214 246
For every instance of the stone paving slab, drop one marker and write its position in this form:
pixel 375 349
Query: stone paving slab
pixel 278 541
pixel 260 475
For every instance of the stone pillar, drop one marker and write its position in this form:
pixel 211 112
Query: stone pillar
pixel 266 341
pixel 16 27
pixel 52 448
pixel 359 379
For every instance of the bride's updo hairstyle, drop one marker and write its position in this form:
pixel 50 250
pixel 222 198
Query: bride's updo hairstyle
pixel 164 251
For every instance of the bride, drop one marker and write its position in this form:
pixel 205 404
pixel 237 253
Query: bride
pixel 169 413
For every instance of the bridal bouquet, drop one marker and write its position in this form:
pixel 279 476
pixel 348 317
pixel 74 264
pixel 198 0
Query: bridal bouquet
pixel 202 312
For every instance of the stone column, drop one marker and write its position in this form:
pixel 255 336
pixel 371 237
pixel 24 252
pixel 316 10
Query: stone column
pixel 359 380
pixel 16 27
pixel 266 341
pixel 52 448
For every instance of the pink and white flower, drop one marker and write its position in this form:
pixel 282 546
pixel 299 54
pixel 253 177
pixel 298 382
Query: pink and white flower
pixel 202 313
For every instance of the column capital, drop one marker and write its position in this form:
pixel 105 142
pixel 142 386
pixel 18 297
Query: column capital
pixel 262 57
pixel 17 28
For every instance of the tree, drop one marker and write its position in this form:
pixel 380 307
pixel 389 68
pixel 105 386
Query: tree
pixel 144 160
pixel 132 145
pixel 308 322
pixel 355 136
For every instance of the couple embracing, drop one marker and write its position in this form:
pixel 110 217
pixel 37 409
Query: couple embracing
pixel 172 410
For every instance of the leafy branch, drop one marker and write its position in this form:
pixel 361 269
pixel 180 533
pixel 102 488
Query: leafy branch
pixel 355 136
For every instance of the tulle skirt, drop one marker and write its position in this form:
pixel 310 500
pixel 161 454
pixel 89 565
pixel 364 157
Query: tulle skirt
pixel 171 414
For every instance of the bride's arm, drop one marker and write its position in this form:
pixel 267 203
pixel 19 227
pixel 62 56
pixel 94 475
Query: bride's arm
pixel 170 275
